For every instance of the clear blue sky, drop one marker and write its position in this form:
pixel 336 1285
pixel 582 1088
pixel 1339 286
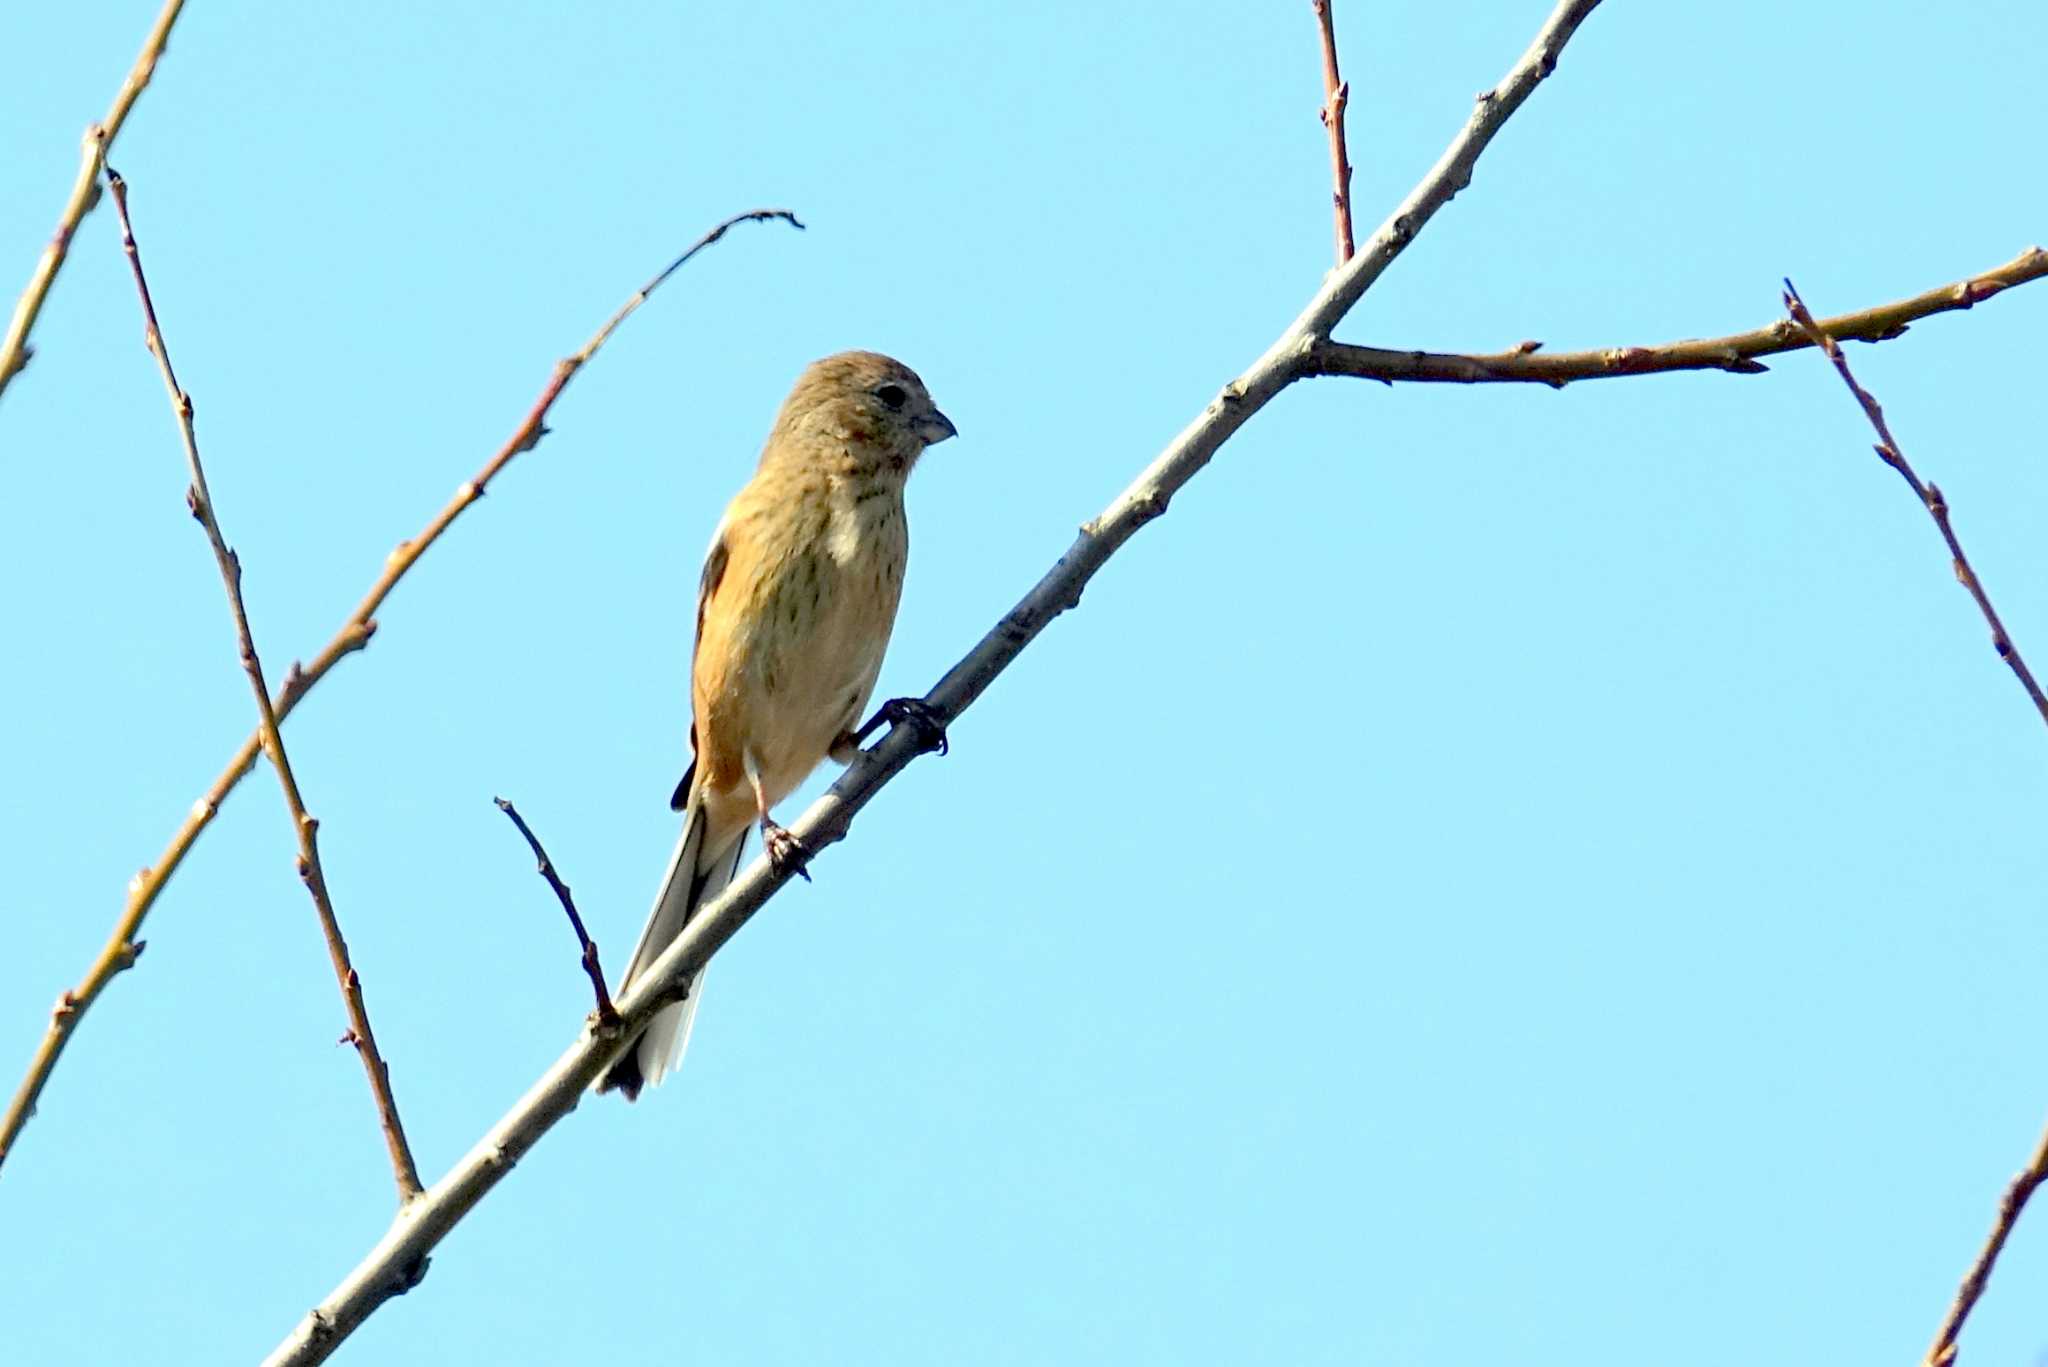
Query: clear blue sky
pixel 1496 876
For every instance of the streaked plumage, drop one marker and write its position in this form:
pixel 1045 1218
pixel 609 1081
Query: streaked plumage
pixel 794 611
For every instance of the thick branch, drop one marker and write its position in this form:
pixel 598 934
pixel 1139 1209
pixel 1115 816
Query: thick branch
pixel 1930 497
pixel 1336 94
pixel 200 500
pixel 85 192
pixel 1738 353
pixel 143 890
pixel 395 1264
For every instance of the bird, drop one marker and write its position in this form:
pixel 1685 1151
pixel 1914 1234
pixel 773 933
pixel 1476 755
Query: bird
pixel 794 610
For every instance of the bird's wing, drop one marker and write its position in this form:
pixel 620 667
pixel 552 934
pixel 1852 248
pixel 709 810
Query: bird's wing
pixel 715 561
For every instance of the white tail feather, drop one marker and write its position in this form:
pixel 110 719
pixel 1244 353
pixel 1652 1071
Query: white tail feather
pixel 694 877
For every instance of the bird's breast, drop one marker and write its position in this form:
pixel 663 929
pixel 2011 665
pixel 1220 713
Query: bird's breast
pixel 866 525
pixel 803 662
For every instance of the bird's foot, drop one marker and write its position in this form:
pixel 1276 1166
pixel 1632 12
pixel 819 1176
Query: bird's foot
pixel 915 713
pixel 787 853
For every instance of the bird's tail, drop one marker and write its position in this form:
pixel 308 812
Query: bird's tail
pixel 695 875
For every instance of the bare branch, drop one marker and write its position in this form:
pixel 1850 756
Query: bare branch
pixel 1452 173
pixel 606 1013
pixel 1525 364
pixel 1929 495
pixel 1336 94
pixel 85 192
pixel 1943 1351
pixel 147 885
pixel 200 500
pixel 1822 334
pixel 393 1265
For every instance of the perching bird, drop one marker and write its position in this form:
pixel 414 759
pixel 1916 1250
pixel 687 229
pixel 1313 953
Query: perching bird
pixel 794 611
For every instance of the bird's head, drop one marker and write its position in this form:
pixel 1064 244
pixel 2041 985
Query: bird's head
pixel 867 405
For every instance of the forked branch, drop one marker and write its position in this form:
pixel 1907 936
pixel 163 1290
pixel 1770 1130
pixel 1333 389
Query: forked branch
pixel 85 192
pixel 392 1265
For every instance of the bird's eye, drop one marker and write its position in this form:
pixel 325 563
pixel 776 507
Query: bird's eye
pixel 892 395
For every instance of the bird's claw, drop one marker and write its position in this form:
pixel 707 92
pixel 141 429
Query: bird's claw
pixel 787 853
pixel 917 714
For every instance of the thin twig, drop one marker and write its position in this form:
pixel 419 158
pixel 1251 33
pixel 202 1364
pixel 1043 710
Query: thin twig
pixel 143 890
pixel 199 499
pixel 606 1013
pixel 391 1266
pixel 1943 1351
pixel 1930 497
pixel 1525 364
pixel 85 192
pixel 1336 94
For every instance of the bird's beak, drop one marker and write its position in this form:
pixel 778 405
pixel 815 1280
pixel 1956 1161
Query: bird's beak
pixel 934 427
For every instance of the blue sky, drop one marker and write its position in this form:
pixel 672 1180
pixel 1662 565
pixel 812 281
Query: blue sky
pixel 1497 875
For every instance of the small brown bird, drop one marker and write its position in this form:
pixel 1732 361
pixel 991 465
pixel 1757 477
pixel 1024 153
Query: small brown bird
pixel 794 611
